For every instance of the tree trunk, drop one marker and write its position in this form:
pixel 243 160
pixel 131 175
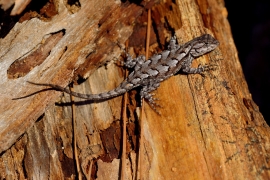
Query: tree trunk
pixel 208 127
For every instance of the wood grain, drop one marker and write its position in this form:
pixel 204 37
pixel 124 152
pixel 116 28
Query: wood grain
pixel 209 127
pixel 84 34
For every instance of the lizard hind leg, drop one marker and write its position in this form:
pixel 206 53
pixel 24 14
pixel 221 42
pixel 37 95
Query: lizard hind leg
pixel 131 63
pixel 172 44
pixel 145 93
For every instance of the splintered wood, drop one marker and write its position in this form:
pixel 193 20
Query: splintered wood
pixel 208 127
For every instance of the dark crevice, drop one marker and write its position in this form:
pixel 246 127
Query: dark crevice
pixel 74 2
pixel 42 9
pixel 7 22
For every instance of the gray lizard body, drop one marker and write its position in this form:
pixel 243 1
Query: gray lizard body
pixel 148 74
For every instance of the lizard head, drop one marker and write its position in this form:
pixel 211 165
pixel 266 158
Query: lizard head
pixel 202 45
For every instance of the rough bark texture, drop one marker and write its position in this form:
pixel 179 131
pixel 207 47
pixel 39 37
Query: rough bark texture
pixel 209 127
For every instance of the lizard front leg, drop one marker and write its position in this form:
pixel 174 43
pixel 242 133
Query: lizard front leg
pixel 198 70
pixel 186 66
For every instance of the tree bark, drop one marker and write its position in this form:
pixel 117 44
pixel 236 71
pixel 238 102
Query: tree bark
pixel 208 127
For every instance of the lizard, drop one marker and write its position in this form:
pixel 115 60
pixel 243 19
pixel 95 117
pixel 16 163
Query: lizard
pixel 149 74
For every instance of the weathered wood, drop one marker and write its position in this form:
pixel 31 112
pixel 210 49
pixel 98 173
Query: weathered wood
pixel 209 127
pixel 90 38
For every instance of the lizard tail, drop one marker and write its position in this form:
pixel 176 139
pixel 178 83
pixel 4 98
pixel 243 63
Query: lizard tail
pixel 121 89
